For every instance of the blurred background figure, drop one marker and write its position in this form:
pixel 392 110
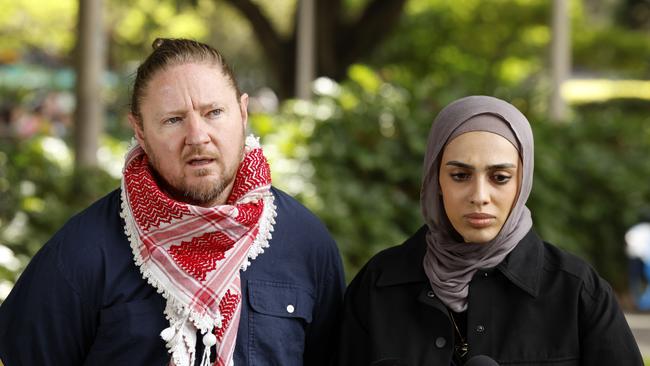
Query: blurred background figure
pixel 637 248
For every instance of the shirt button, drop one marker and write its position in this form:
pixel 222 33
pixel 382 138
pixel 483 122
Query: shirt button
pixel 485 274
pixel 441 342
pixel 479 329
pixel 290 309
pixel 431 295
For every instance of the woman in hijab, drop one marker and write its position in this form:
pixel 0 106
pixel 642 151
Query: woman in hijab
pixel 476 279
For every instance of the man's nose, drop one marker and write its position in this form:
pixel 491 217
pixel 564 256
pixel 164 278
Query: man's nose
pixel 196 130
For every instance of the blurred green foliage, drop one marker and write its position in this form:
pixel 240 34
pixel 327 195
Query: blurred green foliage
pixel 366 140
pixel 592 178
pixel 38 194
pixel 354 154
pixel 29 25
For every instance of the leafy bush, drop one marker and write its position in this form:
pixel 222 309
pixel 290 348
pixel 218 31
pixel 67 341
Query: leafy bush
pixel 592 178
pixel 39 192
pixel 365 141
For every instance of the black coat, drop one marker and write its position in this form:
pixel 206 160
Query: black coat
pixel 540 306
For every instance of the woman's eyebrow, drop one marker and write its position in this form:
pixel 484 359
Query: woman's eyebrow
pixel 502 166
pixel 459 164
pixel 489 167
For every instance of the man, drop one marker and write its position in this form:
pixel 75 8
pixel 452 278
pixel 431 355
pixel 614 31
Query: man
pixel 196 260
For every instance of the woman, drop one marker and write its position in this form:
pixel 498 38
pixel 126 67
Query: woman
pixel 476 279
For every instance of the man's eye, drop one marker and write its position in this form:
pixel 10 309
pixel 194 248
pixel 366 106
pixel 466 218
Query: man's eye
pixel 459 177
pixel 215 113
pixel 173 120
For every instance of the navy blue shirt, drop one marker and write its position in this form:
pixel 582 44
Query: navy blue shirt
pixel 82 300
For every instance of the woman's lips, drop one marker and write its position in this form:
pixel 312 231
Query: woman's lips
pixel 479 220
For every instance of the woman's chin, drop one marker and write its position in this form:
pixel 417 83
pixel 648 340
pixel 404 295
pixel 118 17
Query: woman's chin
pixel 479 236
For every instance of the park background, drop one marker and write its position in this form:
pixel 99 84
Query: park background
pixel 343 93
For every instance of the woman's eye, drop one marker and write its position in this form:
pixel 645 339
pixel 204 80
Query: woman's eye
pixel 459 177
pixel 215 113
pixel 173 120
pixel 501 178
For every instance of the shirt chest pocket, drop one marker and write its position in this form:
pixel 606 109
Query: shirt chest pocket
pixel 280 314
pixel 129 334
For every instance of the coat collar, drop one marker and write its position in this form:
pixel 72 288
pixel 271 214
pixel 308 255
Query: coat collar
pixel 522 266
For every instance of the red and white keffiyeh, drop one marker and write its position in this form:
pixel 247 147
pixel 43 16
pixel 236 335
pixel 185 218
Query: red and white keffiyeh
pixel 192 255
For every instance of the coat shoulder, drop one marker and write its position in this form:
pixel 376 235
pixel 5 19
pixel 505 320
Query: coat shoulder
pixel 401 263
pixel 560 261
pixel 412 247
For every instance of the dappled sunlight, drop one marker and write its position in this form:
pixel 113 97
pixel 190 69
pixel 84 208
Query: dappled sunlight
pixel 513 69
pixel 110 155
pixel 601 90
pixel 56 151
pixel 16 228
pixel 5 288
pixel 8 259
pixel 326 87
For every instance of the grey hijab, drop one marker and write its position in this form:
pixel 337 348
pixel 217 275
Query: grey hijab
pixel 449 262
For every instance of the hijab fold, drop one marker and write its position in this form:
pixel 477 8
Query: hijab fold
pixel 449 262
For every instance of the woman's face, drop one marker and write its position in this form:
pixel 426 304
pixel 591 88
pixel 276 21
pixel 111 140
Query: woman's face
pixel 479 180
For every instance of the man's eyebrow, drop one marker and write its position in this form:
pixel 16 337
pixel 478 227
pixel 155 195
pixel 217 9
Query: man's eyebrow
pixel 210 105
pixel 183 110
pixel 165 112
pixel 489 167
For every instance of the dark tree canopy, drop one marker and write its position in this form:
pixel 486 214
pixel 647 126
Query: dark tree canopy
pixel 339 42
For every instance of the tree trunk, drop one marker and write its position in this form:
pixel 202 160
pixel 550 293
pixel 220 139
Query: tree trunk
pixel 560 58
pixel 305 52
pixel 90 58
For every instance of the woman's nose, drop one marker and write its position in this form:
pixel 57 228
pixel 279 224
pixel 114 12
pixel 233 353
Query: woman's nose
pixel 480 193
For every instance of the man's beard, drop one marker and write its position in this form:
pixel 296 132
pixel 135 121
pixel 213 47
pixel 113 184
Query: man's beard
pixel 206 192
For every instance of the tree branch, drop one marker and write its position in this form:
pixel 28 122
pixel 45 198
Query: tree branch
pixel 328 22
pixel 375 23
pixel 267 36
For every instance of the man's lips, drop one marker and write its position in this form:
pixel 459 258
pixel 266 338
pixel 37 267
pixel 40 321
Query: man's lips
pixel 479 220
pixel 200 160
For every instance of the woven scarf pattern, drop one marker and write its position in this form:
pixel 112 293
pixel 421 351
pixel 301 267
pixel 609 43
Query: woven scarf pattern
pixel 193 255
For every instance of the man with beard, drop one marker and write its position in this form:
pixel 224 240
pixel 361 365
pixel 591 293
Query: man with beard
pixel 196 259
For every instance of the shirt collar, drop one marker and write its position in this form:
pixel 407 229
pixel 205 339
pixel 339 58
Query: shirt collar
pixel 522 266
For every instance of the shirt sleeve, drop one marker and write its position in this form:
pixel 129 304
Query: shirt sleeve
pixel 322 332
pixel 606 338
pixel 43 320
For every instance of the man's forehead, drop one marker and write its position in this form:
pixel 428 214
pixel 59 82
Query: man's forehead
pixel 201 73
pixel 181 86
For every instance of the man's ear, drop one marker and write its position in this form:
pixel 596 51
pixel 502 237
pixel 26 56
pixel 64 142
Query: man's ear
pixel 243 109
pixel 136 125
